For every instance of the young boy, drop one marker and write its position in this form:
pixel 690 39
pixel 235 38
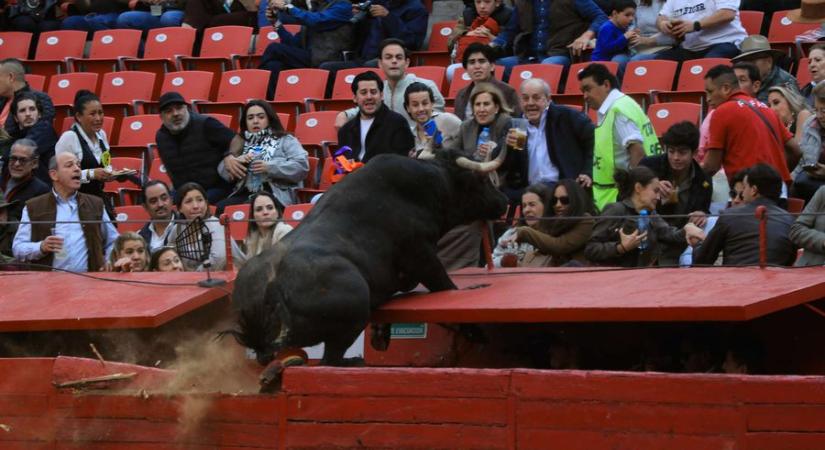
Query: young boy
pixel 614 37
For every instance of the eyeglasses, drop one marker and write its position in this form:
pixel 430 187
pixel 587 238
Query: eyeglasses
pixel 18 159
pixel 734 195
pixel 564 200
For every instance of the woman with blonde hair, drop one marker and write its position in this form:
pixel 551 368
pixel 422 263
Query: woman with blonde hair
pixel 791 109
pixel 129 254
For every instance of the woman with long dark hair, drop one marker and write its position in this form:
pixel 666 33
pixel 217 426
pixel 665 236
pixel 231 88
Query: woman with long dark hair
pixel 276 162
pixel 266 227
pixel 616 238
pixel 86 139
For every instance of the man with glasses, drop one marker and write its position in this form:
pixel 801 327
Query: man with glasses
pixel 686 190
pixel 17 185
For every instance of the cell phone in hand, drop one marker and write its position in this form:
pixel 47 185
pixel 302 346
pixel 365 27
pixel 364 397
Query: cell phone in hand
pixel 809 167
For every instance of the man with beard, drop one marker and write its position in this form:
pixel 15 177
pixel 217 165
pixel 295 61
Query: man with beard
pixel 17 185
pixel 192 145
pixel 158 203
pixel 56 238
pixel 375 129
pixel 12 83
pixel 27 112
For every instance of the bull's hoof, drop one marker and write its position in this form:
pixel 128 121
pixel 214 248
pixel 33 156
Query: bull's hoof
pixel 380 337
pixel 271 377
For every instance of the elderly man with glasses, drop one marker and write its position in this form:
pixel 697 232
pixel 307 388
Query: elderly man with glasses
pixel 17 185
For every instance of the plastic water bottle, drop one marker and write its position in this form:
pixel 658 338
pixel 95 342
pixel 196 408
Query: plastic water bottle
pixel 483 137
pixel 643 225
pixel 254 180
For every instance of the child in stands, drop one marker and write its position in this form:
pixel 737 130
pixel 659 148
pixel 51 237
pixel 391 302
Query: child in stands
pixel 615 37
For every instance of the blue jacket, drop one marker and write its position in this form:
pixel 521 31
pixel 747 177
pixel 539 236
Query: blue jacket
pixel 609 43
pixel 328 19
pixel 407 21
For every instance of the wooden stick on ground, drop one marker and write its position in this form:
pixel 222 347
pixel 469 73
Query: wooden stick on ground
pixel 97 353
pixel 100 379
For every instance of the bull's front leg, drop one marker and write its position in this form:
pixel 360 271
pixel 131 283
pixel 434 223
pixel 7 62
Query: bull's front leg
pixel 425 266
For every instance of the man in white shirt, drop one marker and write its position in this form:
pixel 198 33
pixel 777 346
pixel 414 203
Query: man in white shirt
pixel 706 29
pixel 158 203
pixel 50 233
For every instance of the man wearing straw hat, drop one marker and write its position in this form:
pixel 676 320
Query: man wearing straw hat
pixel 757 49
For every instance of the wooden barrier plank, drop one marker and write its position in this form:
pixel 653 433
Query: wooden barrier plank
pixel 159 407
pixel 784 441
pixel 802 418
pixel 394 436
pixel 379 382
pixel 26 375
pixel 134 431
pixel 27 445
pixel 625 386
pixel 531 439
pixel 784 389
pixel 40 429
pixel 629 417
pixel 23 405
pixel 398 410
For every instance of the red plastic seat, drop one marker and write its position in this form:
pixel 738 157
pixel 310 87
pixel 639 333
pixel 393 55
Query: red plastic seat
pixel 294 214
pixel 316 131
pixel 53 47
pixel 220 47
pixel 551 73
pixel 106 51
pixel 136 136
pixel 236 88
pixel 311 181
pixel 128 190
pixel 643 77
pixel 225 119
pixel 752 21
pixel 436 53
pixel 64 86
pixel 690 85
pixel 157 171
pixel 572 85
pixel 121 94
pixel 193 85
pixel 68 121
pixel 803 75
pixel 130 218
pixel 162 48
pixel 341 97
pixel 15 44
pixel 297 88
pixel 462 79
pixel 782 32
pixel 795 205
pixel 436 74
pixel 239 215
pixel 664 115
pixel 266 35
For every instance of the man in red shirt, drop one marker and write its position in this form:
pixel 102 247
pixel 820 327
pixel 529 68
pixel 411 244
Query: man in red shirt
pixel 744 131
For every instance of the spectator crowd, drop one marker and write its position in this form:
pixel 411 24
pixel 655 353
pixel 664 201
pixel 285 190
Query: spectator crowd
pixel 598 185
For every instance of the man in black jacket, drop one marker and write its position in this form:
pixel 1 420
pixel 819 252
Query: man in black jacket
pixel 685 188
pixel 13 82
pixel 736 233
pixel 191 146
pixel 17 185
pixel 559 142
pixel 375 129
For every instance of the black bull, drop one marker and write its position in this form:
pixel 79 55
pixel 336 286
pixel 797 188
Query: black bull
pixel 370 236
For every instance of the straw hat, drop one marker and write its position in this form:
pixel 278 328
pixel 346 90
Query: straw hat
pixel 755 46
pixel 812 11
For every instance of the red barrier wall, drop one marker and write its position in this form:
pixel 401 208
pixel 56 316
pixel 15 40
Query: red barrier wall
pixel 425 409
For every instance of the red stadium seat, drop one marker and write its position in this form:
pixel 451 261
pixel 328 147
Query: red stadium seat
pixel 752 21
pixel 136 136
pixel 106 51
pixel 462 79
pixel 436 74
pixel 803 75
pixel 239 216
pixel 15 44
pixel 266 35
pixel 36 82
pixel 294 214
pixel 236 88
pixel 67 122
pixel 783 31
pixel 220 47
pixel 297 88
pixel 157 171
pixel 53 47
pixel 664 115
pixel 341 98
pixel 64 86
pixel 193 85
pixel 121 94
pixel 643 77
pixel 130 218
pixel 690 86
pixel 551 73
pixel 316 131
pixel 162 48
pixel 572 84
pixel 311 181
pixel 795 205
pixel 225 119
pixel 436 53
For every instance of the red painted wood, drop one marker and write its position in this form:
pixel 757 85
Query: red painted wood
pixel 26 376
pixel 27 303
pixel 784 441
pixel 27 429
pixel 23 405
pixel 802 418
pixel 70 369
pixel 784 390
pixel 394 436
pixel 125 430
pixel 491 412
pixel 577 295
pixel 591 440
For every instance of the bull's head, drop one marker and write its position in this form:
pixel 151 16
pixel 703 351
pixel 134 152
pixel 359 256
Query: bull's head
pixel 474 196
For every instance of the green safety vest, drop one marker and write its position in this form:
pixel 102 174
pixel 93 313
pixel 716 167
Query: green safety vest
pixel 604 186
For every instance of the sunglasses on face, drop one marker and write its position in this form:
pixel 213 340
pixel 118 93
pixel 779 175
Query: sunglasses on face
pixel 17 159
pixel 564 200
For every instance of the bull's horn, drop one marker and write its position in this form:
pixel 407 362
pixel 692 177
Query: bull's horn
pixel 484 167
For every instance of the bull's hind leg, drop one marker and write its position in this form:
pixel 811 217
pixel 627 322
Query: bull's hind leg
pixel 334 350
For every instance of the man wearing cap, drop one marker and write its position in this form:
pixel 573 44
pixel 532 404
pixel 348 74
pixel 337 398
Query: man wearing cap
pixel 17 185
pixel 757 50
pixel 192 145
